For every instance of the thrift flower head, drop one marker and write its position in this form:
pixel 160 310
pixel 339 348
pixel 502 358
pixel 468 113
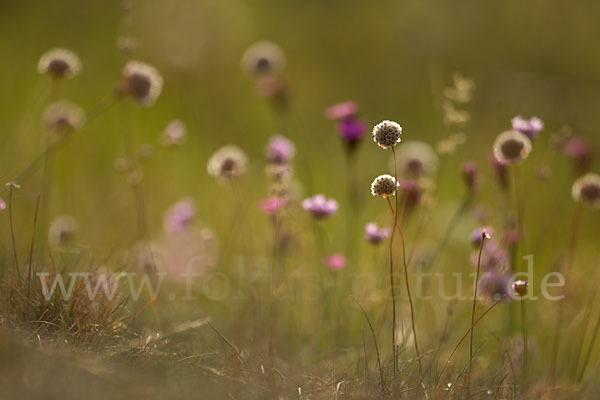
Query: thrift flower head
pixel 470 174
pixel 520 288
pixel 500 168
pixel 320 206
pixel 142 82
pixel 374 234
pixel 384 186
pixel 272 205
pixel 175 133
pixel 59 63
pixel 387 133
pixel 579 150
pixel 586 190
pixel 2 204
pixel 229 162
pixel 495 285
pixel 179 216
pixel 62 230
pixel 416 159
pixel 63 117
pixel 512 146
pixel 352 130
pixel 280 150
pixel 529 127
pixel 263 58
pixel 341 111
pixel 335 262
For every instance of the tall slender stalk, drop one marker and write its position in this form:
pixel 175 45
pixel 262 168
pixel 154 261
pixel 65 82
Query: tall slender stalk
pixel 525 346
pixel 568 267
pixel 11 186
pixel 392 287
pixel 589 351
pixel 274 282
pixel 483 237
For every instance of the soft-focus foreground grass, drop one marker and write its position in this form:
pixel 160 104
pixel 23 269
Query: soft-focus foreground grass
pixel 393 57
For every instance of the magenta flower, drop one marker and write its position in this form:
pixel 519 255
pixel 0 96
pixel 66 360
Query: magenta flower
pixel 470 174
pixel 319 206
pixel 341 111
pixel 2 204
pixel 374 234
pixel 578 149
pixel 280 150
pixel 352 130
pixel 272 205
pixel 335 262
pixel 530 127
pixel 179 216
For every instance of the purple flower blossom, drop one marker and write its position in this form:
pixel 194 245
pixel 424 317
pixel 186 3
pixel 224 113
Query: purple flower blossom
pixel 280 150
pixel 319 206
pixel 493 256
pixel 579 150
pixel 341 111
pixel 335 262
pixel 374 234
pixel 272 205
pixel 2 204
pixel 352 130
pixel 494 285
pixel 470 174
pixel 179 216
pixel 530 127
pixel 175 133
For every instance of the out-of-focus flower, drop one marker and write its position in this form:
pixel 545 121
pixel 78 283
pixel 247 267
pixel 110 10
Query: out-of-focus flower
pixel 263 58
pixel 62 230
pixel 63 117
pixel 586 190
pixel 279 173
pixel 501 170
pixel 272 205
pixel 411 192
pixel 335 262
pixel 462 91
pixel 471 176
pixel 579 150
pixel 280 150
pixel 179 216
pixel 512 146
pixel 374 234
pixel 147 256
pixel 320 206
pixel 415 159
pixel 174 134
pixel 494 256
pixel 145 152
pixel 453 116
pixel 352 130
pixel 342 111
pixel 142 82
pixel 495 285
pixel 229 162
pixel 59 63
pixel 520 288
pixel 529 127
pixel 387 134
pixel 127 45
pixel 477 236
pixel 274 88
pixel 450 144
pixel 2 204
pixel 384 186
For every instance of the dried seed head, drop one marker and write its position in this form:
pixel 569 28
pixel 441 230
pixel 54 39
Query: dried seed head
pixel 520 288
pixel 62 230
pixel 263 58
pixel 415 159
pixel 587 190
pixel 384 186
pixel 387 133
pixel 512 146
pixel 142 82
pixel 229 162
pixel 63 117
pixel 59 63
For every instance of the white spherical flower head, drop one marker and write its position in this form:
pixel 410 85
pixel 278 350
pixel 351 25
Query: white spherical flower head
pixel 384 186
pixel 415 159
pixel 63 117
pixel 387 134
pixel 229 162
pixel 263 58
pixel 142 82
pixel 512 146
pixel 59 63
pixel 586 190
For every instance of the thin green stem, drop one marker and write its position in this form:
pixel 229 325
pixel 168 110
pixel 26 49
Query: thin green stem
pixel 12 230
pixel 483 237
pixel 525 347
pixel 392 286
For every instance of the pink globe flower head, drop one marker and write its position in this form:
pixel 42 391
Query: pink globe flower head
pixel 335 262
pixel 352 130
pixel 341 111
pixel 471 177
pixel 320 206
pixel 2 204
pixel 578 149
pixel 374 234
pixel 280 150
pixel 179 216
pixel 272 205
pixel 530 127
pixel 495 285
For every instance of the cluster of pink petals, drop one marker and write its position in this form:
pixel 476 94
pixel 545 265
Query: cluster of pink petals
pixel 280 150
pixel 179 216
pixel 320 206
pixel 341 111
pixel 2 204
pixel 272 205
pixel 530 127
pixel 374 234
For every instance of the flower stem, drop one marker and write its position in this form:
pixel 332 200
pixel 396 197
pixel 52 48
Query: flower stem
pixel 483 237
pixel 392 286
pixel 525 347
pixel 12 232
